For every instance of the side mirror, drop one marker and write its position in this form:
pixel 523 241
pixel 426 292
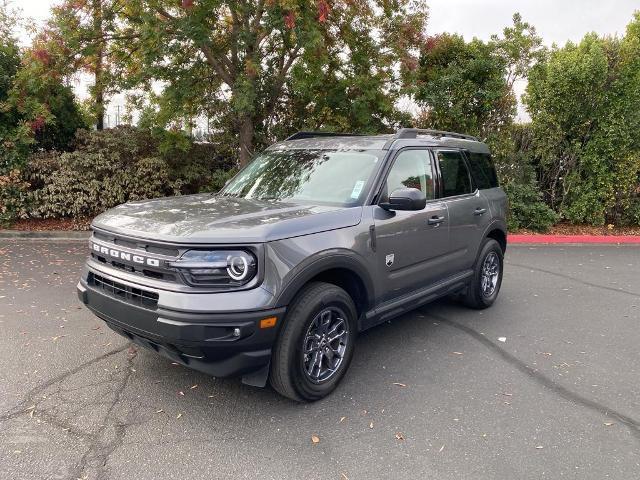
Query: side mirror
pixel 405 199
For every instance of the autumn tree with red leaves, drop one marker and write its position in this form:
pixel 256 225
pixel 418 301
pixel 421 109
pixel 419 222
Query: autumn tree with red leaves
pixel 233 61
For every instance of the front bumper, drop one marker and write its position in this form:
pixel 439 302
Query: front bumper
pixel 221 344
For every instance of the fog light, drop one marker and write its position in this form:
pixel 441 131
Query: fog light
pixel 236 332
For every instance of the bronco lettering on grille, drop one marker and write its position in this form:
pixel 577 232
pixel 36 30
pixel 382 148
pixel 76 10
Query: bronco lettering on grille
pixel 128 257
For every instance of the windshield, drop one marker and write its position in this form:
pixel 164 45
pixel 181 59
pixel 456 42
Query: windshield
pixel 314 176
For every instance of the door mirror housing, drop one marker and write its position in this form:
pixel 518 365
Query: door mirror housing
pixel 405 199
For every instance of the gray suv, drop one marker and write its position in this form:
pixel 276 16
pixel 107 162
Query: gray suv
pixel 319 238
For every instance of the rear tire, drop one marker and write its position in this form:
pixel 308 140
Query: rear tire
pixel 303 357
pixel 487 276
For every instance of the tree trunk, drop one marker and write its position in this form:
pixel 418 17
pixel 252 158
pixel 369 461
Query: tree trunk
pixel 98 93
pixel 246 140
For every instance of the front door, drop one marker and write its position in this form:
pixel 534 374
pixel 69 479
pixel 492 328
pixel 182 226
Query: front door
pixel 410 245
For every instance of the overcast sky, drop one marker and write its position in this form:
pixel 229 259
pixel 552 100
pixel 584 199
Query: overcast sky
pixel 557 21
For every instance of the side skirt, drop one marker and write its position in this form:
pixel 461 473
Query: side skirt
pixel 410 301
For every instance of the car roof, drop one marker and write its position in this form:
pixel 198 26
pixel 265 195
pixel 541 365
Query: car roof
pixel 326 141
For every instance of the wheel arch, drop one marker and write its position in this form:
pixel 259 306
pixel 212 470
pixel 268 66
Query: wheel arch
pixel 338 268
pixel 499 235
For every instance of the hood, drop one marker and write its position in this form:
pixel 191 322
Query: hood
pixel 204 218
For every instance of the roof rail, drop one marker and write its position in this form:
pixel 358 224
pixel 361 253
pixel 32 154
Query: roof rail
pixel 303 134
pixel 414 132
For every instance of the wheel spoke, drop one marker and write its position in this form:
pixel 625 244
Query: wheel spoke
pixel 336 326
pixel 336 337
pixel 312 364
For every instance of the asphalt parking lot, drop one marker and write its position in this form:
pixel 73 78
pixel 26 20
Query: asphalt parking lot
pixel 546 384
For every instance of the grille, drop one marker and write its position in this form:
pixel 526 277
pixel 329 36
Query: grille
pixel 132 295
pixel 159 275
pixel 140 247
pixel 135 244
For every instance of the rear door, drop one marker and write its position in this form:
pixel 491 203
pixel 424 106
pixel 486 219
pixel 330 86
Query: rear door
pixel 468 209
pixel 410 245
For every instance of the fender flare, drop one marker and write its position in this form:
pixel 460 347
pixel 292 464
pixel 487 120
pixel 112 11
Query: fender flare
pixel 494 225
pixel 321 262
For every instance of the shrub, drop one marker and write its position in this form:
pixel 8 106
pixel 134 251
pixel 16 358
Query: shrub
pixel 200 168
pixel 526 208
pixel 13 196
pixel 108 168
pixel 116 166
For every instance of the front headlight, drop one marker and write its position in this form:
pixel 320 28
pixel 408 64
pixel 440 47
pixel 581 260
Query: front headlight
pixel 217 268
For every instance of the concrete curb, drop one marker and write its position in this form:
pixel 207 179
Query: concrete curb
pixel 45 235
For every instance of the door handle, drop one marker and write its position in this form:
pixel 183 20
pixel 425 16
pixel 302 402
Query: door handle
pixel 435 220
pixel 479 211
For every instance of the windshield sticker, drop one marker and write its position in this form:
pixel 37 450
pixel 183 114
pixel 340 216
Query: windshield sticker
pixel 357 188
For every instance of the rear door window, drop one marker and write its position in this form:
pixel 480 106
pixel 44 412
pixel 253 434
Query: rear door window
pixel 455 174
pixel 482 169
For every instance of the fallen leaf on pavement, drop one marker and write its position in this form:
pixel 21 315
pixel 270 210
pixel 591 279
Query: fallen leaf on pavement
pixel 399 436
pixel 315 439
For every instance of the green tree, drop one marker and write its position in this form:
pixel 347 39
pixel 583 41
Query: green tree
pixel 14 136
pixel 520 47
pixel 234 60
pixel 583 102
pixel 462 86
pixel 81 33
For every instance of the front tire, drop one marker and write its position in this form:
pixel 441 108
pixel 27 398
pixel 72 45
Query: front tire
pixel 487 276
pixel 316 343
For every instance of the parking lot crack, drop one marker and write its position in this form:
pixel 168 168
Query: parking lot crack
pixel 99 450
pixel 543 380
pixel 25 406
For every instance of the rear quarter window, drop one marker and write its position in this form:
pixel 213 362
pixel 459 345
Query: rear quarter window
pixel 482 169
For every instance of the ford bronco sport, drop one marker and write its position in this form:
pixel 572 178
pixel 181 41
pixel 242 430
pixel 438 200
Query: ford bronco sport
pixel 320 237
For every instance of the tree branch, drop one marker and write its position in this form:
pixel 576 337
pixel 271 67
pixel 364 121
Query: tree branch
pixel 280 79
pixel 215 62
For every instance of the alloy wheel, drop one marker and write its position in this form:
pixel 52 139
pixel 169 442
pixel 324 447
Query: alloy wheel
pixel 324 345
pixel 490 274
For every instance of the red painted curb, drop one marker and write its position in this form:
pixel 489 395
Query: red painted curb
pixel 610 239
